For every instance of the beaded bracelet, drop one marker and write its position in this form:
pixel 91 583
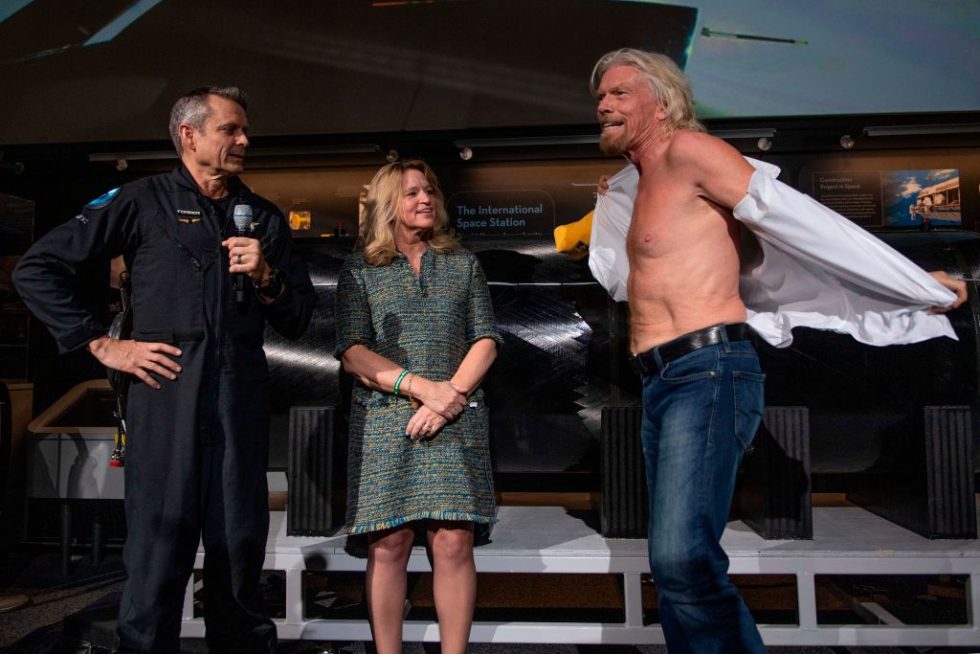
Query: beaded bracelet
pixel 398 382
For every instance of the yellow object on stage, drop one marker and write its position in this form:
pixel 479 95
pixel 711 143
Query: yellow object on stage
pixel 573 238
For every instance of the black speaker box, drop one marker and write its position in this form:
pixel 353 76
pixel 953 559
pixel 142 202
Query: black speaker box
pixel 623 505
pixel 316 473
pixel 773 494
pixel 924 481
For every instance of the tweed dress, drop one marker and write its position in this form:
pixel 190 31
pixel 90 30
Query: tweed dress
pixel 426 324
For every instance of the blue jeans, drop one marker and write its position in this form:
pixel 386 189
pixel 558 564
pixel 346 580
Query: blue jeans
pixel 700 413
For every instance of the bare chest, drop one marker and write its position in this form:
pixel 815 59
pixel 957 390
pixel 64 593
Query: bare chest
pixel 664 221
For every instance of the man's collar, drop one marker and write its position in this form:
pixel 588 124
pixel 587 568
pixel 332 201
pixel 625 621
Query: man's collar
pixel 182 176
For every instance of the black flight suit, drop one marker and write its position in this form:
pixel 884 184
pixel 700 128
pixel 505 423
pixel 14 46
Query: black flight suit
pixel 198 448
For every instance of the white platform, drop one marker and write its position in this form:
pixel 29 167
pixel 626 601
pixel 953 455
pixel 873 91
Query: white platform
pixel 847 541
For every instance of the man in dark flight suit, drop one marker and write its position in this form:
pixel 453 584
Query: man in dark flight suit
pixel 198 408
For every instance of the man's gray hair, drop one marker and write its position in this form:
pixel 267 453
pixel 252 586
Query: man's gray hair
pixel 192 108
pixel 665 79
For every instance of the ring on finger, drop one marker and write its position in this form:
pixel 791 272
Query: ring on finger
pixel 239 259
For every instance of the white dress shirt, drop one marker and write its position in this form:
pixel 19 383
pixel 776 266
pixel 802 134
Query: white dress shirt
pixel 807 266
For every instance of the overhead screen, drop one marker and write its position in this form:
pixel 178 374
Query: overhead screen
pixel 762 58
pixel 109 71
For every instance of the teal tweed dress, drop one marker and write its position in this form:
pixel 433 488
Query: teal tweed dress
pixel 426 324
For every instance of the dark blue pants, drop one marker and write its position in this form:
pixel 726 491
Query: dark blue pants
pixel 196 471
pixel 699 414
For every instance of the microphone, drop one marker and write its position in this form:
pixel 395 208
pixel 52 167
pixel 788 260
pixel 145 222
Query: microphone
pixel 242 217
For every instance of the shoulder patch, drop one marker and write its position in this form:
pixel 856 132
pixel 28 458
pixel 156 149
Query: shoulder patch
pixel 103 200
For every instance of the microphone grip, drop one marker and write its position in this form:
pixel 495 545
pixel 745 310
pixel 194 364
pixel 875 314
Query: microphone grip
pixel 238 283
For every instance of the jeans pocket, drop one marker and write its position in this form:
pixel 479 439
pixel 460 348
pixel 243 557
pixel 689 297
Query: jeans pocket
pixel 749 399
pixel 702 364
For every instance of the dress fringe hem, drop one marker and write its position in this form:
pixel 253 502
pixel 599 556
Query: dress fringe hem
pixel 460 516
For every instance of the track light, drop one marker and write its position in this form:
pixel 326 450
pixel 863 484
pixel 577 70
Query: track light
pixel 921 130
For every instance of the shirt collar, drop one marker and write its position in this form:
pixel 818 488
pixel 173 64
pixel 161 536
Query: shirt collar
pixel 183 178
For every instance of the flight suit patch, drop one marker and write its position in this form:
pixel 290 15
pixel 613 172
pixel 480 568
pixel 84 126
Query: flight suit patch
pixel 103 200
pixel 189 216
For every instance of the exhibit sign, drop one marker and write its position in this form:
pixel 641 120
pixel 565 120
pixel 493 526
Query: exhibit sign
pixel 490 213
pixel 921 198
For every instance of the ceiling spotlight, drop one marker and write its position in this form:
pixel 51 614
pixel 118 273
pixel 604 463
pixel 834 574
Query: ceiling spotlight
pixel 465 153
pixel 846 142
pixel 764 143
pixel 392 156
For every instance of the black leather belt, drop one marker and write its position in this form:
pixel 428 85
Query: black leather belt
pixel 646 363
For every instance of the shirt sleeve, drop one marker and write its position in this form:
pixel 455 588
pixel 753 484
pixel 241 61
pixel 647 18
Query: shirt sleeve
pixel 46 277
pixel 480 320
pixel 354 325
pixel 822 271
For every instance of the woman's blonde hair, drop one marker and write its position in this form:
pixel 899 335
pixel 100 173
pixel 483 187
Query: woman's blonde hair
pixel 665 79
pixel 383 203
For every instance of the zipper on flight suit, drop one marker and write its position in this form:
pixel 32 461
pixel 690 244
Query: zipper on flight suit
pixel 194 260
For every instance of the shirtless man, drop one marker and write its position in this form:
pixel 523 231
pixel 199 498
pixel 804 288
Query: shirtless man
pixel 702 385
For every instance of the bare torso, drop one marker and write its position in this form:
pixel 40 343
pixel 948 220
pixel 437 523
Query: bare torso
pixel 683 253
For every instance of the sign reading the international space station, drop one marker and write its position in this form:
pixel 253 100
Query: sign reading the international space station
pixel 494 213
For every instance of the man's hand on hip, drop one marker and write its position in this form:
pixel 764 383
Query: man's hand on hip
pixel 137 358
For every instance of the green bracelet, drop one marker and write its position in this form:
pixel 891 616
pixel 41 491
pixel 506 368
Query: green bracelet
pixel 398 382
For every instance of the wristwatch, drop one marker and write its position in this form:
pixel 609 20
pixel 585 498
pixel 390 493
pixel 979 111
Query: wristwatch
pixel 274 288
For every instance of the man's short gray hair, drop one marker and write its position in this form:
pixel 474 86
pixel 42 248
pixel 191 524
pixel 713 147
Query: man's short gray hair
pixel 192 108
pixel 665 79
